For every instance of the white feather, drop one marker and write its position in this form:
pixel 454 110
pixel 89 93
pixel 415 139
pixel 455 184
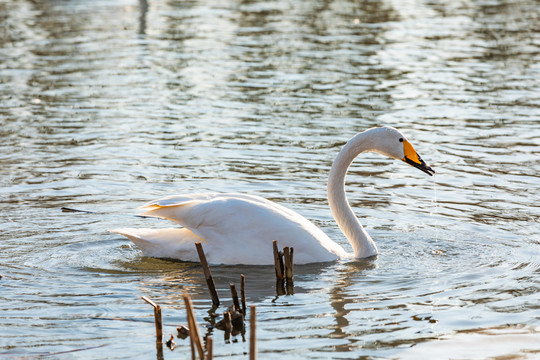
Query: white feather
pixel 239 228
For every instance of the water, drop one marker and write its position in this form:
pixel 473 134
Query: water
pixel 108 104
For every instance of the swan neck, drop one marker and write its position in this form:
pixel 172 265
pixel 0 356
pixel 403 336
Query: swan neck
pixel 362 244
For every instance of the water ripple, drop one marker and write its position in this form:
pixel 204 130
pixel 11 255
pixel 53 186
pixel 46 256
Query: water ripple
pixel 106 105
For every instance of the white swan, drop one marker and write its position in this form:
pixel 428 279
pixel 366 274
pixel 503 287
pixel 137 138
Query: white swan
pixel 239 228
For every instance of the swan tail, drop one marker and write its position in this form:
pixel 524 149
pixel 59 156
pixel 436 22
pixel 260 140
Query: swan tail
pixel 177 243
pixel 174 211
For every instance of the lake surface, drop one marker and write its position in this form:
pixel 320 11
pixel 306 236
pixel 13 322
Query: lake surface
pixel 106 105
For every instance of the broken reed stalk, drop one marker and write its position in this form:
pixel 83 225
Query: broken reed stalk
pixel 228 322
pixel 283 262
pixel 277 261
pixel 159 351
pixel 252 333
pixel 208 275
pixel 170 343
pixel 234 295
pixel 288 255
pixel 193 327
pixel 243 293
pixel 157 318
pixel 209 348
pixel 183 332
pixel 192 346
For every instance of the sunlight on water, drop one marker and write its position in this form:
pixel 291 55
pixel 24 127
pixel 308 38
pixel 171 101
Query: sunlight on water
pixel 106 105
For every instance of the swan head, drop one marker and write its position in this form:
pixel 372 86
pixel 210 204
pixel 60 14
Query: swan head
pixel 392 143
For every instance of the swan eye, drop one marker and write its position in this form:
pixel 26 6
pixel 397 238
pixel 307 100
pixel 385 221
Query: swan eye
pixel 400 139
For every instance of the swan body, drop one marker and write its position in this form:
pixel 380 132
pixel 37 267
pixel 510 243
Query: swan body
pixel 239 228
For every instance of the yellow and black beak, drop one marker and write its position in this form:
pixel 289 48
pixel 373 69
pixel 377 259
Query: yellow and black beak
pixel 412 158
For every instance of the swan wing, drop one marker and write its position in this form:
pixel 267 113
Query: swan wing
pixel 239 228
pixel 175 243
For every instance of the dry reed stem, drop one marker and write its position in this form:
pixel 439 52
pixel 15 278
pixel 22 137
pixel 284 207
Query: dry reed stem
pixel 289 271
pixel 252 333
pixel 192 346
pixel 209 348
pixel 277 261
pixel 170 343
pixel 208 275
pixel 157 318
pixel 228 322
pixel 193 327
pixel 287 252
pixel 243 293
pixel 234 295
pixel 183 332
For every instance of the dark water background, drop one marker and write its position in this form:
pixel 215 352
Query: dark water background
pixel 105 105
